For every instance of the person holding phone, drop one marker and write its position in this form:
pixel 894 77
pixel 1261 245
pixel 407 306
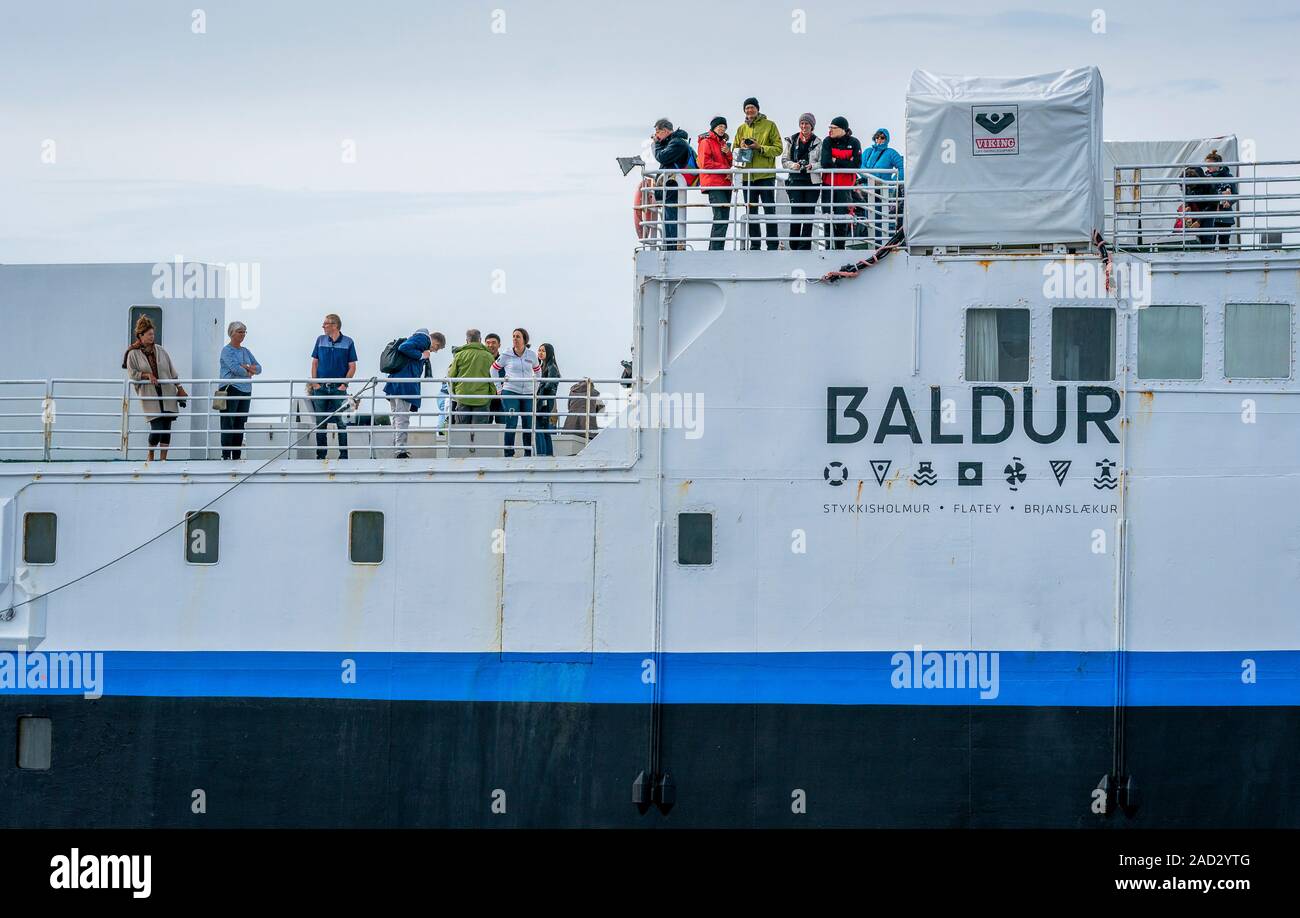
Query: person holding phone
pixel 758 143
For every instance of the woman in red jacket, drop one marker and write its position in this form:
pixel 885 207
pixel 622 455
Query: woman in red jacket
pixel 840 150
pixel 715 153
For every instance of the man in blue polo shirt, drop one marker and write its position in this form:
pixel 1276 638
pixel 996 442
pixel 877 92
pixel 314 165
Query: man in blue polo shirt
pixel 333 357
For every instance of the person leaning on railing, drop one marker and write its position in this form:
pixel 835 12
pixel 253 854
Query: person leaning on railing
pixel 148 365
pixel 716 154
pixel 470 400
pixel 802 155
pixel 758 144
pixel 333 357
pixel 238 365
pixel 404 397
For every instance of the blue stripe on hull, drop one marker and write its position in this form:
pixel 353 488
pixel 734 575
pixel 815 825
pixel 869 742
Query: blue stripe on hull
pixel 1034 679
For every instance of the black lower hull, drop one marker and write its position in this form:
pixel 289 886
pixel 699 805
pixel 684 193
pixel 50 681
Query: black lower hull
pixel 325 763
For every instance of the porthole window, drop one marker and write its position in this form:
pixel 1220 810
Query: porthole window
pixel 202 537
pixel 1170 341
pixel 694 538
pixel 1083 343
pixel 1257 341
pixel 997 345
pixel 366 537
pixel 35 743
pixel 40 537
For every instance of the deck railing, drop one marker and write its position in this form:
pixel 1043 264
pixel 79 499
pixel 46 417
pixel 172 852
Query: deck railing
pixel 106 419
pixel 675 214
pixel 1155 207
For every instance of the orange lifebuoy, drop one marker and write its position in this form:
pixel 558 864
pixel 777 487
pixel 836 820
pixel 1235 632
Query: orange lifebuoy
pixel 643 202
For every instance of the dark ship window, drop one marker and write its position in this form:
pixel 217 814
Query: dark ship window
pixel 40 537
pixel 366 537
pixel 695 538
pixel 202 537
pixel 1083 343
pixel 155 316
pixel 35 735
pixel 1170 342
pixel 1257 341
pixel 997 345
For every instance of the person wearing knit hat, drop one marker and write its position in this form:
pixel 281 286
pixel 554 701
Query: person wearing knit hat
pixel 759 144
pixel 715 153
pixel 841 150
pixel 802 156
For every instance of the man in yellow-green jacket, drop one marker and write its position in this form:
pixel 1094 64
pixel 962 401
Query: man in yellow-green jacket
pixel 473 361
pixel 758 144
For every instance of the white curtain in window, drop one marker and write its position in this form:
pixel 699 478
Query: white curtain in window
pixel 982 344
pixel 1257 340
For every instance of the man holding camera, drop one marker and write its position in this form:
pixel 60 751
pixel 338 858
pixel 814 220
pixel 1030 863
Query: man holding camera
pixel 758 144
pixel 673 151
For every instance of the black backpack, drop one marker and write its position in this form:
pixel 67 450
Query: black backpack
pixel 393 360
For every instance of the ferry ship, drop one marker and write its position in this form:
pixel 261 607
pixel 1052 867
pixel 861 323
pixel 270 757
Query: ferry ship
pixel 988 520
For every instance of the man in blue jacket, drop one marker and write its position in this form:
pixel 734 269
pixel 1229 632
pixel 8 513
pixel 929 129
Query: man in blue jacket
pixel 672 149
pixel 889 201
pixel 404 397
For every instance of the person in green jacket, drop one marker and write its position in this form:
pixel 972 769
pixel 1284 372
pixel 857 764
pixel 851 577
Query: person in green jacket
pixel 472 361
pixel 758 143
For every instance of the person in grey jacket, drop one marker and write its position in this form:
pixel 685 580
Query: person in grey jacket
pixel 150 368
pixel 802 152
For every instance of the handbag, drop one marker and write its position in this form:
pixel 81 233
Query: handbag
pixel 219 399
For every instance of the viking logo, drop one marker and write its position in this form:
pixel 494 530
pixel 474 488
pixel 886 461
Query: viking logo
pixel 1060 468
pixel 1104 480
pixel 1015 473
pixel 995 122
pixel 995 129
pixel 880 468
pixel 925 475
pixel 835 474
pixel 970 474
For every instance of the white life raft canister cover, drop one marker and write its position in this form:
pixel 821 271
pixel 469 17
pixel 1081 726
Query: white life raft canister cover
pixel 1004 160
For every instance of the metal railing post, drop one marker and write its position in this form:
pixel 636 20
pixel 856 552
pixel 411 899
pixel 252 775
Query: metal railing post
pixel 126 418
pixel 47 418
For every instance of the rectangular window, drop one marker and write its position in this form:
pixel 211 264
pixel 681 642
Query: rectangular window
pixel 1257 341
pixel 695 538
pixel 155 315
pixel 35 743
pixel 366 537
pixel 40 537
pixel 202 537
pixel 997 345
pixel 1083 343
pixel 1170 341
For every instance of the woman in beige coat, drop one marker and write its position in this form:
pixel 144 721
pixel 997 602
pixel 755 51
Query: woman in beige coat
pixel 149 366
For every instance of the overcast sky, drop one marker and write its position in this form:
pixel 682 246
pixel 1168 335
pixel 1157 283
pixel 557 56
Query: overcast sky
pixel 479 150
